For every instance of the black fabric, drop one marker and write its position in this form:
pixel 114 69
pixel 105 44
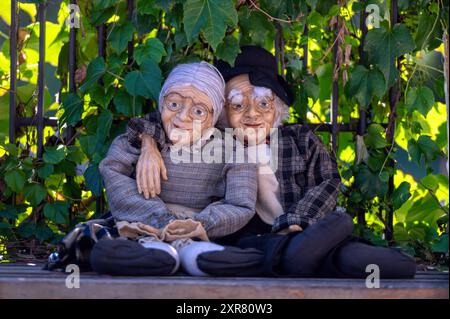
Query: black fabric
pixel 272 245
pixel 350 258
pixel 232 261
pixel 129 258
pixel 256 226
pixel 261 67
pixel 307 249
pixel 76 246
pixel 300 254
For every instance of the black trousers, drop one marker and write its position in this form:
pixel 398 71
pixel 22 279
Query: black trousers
pixel 350 259
pixel 324 249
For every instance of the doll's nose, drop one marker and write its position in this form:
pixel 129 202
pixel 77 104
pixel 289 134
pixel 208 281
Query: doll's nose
pixel 183 114
pixel 251 111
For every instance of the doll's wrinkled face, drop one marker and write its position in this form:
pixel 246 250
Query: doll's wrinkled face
pixel 186 113
pixel 250 109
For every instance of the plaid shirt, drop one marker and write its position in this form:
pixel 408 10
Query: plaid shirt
pixel 307 174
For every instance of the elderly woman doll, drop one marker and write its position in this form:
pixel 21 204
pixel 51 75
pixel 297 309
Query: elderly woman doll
pixel 214 199
pixel 298 198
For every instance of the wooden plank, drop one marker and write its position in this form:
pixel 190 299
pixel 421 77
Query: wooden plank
pixel 180 288
pixel 30 281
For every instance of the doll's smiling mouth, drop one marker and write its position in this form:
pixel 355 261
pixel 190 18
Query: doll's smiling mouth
pixel 181 127
pixel 256 125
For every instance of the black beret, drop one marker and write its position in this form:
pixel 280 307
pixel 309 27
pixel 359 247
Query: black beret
pixel 262 70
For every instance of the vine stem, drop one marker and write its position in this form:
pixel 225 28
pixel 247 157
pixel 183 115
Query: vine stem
pixel 115 75
pixel 389 152
pixel 268 15
pixel 114 24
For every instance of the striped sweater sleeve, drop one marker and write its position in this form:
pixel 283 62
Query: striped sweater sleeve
pixel 123 197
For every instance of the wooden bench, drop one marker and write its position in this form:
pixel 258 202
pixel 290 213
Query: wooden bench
pixel 29 281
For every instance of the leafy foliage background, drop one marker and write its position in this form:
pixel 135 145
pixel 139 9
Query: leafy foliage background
pixel 41 199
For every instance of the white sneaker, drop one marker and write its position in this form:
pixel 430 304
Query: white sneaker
pixel 154 243
pixel 189 253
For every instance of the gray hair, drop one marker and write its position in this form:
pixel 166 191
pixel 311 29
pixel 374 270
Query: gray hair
pixel 201 75
pixel 281 114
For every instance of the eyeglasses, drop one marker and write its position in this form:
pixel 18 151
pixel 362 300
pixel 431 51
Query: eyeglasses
pixel 197 111
pixel 262 105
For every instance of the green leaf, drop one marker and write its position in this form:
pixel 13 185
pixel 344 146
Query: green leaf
pixel 103 4
pixel 54 181
pixel 228 49
pixel 414 151
pixel 35 193
pixel 42 231
pixel 102 95
pixel 127 104
pixel 209 16
pixel 145 82
pixel 369 183
pixel 100 16
pixel 426 210
pixel 75 154
pixel 442 245
pixel 401 194
pixel 384 177
pixel 66 167
pixel 57 212
pixel 45 171
pixel 256 28
pixel 15 179
pixel 54 154
pixel 384 45
pixel 428 147
pixel 311 86
pixel 120 36
pixel 152 49
pixel 364 84
pixel 374 137
pixel 355 197
pixel 428 33
pixel 420 99
pixel 95 70
pixel 73 108
pixel 11 149
pixel 93 180
pixel 88 144
pixel 27 164
pixel 72 190
pixel 430 182
pixel 374 163
pixel 10 212
pixel 147 7
pixel 26 229
pixel 103 126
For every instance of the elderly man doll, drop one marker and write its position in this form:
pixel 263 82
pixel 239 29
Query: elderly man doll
pixel 198 200
pixel 298 199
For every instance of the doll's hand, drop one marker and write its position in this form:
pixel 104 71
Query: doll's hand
pixel 290 229
pixel 183 228
pixel 149 168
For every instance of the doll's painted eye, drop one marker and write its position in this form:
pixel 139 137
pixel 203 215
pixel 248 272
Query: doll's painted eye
pixel 198 112
pixel 173 106
pixel 264 105
pixel 237 107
